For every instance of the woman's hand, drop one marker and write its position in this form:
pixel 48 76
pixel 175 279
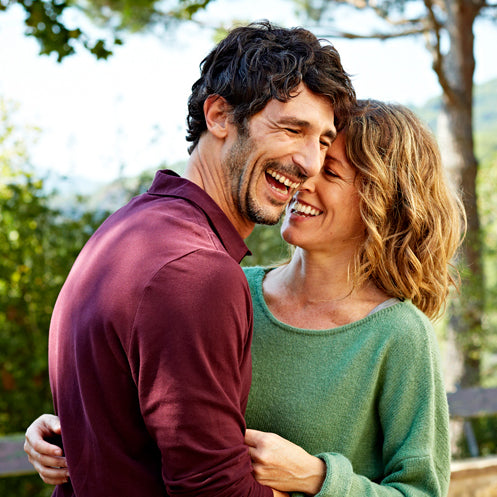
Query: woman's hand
pixel 46 458
pixel 280 464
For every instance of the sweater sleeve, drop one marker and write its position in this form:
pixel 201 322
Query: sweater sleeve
pixel 413 412
pixel 191 363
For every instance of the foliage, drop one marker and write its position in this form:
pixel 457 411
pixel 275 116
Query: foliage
pixel 48 21
pixel 487 185
pixel 38 245
pixel 485 431
pixel 267 246
pixel 447 28
pixel 392 18
pixel 486 145
pixel 485 118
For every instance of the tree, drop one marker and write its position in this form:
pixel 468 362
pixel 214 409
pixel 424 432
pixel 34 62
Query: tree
pixel 267 246
pixel 48 21
pixel 38 244
pixel 45 21
pixel 447 26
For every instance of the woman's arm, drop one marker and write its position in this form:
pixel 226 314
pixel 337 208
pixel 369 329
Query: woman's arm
pixel 279 463
pixel 413 446
pixel 46 458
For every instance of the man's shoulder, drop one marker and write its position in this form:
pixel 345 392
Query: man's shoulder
pixel 207 266
pixel 150 209
pixel 158 224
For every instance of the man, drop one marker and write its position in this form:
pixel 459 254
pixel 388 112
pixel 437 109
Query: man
pixel 149 346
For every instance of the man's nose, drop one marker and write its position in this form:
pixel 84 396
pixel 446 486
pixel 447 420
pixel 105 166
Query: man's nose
pixel 310 158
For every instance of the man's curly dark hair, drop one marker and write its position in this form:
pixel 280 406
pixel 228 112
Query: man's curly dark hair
pixel 261 61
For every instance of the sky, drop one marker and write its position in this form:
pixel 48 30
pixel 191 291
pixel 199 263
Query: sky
pixel 103 119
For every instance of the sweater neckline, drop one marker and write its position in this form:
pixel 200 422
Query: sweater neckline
pixel 261 273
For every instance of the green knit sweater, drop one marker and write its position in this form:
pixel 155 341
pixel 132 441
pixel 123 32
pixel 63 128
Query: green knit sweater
pixel 367 398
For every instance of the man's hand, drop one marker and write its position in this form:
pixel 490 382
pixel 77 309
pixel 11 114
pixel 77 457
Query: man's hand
pixel 280 464
pixel 46 458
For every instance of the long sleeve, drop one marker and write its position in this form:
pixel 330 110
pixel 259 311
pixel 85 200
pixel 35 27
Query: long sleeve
pixel 191 362
pixel 149 352
pixel 413 413
pixel 367 397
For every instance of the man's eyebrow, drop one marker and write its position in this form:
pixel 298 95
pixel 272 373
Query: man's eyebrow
pixel 300 123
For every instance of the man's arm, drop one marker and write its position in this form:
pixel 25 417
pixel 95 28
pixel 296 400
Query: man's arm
pixel 46 457
pixel 190 357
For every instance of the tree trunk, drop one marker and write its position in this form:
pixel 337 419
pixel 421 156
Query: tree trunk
pixel 456 140
pixel 451 42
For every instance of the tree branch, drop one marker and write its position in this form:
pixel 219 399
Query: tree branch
pixel 333 33
pixel 434 28
pixel 381 12
pixel 404 26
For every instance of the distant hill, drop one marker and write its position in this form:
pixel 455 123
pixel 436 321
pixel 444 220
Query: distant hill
pixel 485 107
pixel 108 197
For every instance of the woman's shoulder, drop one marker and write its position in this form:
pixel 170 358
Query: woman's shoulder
pixel 408 311
pixel 253 269
pixel 405 324
pixel 254 273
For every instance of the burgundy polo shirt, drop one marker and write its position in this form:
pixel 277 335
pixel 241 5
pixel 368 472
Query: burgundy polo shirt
pixel 149 352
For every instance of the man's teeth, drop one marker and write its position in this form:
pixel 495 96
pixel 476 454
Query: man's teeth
pixel 305 209
pixel 283 179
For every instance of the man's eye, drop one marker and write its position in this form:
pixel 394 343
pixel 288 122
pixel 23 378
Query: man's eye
pixel 292 130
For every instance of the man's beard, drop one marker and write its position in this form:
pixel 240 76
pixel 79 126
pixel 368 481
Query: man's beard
pixel 236 165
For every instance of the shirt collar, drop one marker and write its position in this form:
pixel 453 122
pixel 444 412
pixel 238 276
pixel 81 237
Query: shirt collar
pixel 167 183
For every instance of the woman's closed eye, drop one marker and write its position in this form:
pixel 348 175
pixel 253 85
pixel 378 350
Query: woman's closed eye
pixel 331 173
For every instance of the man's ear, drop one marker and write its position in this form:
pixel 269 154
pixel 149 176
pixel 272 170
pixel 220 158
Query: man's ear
pixel 217 115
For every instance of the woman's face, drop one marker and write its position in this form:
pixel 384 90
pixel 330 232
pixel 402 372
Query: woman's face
pixel 324 214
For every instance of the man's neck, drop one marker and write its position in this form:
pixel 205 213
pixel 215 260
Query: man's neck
pixel 209 176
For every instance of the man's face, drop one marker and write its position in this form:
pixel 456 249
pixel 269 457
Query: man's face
pixel 285 143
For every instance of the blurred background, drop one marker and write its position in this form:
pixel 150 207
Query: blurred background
pixel 93 100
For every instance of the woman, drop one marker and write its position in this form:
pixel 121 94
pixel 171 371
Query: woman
pixel 345 362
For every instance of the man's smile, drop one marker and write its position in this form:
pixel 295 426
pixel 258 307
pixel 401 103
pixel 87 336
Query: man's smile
pixel 281 182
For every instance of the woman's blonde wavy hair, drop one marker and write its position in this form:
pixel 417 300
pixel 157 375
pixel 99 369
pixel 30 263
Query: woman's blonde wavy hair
pixel 414 221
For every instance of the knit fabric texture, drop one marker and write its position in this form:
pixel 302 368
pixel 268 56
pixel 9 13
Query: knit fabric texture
pixel 367 398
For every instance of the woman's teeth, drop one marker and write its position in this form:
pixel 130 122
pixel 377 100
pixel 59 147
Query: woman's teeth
pixel 299 208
